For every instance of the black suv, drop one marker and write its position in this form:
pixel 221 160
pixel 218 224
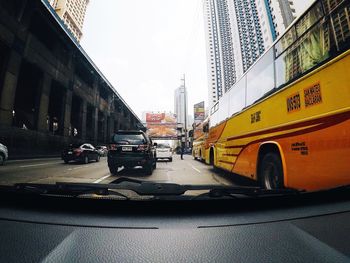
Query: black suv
pixel 130 149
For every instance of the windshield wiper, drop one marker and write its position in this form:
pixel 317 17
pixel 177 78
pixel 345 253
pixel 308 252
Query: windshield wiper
pixel 62 189
pixel 147 188
pixel 214 190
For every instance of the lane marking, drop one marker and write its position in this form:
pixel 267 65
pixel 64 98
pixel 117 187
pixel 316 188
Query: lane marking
pixel 70 169
pixel 30 160
pixel 194 168
pixel 101 179
pixel 39 164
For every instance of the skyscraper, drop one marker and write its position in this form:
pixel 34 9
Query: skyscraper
pixel 282 13
pixel 237 33
pixel 72 12
pixel 180 105
pixel 213 52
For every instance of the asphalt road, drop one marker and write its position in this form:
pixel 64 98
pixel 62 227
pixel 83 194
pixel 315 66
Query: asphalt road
pixel 51 170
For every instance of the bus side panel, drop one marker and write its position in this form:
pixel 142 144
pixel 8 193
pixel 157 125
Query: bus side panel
pixel 206 155
pixel 202 151
pixel 327 149
pixel 326 146
pixel 246 162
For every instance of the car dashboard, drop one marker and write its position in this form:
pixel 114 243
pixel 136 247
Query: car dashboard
pixel 56 229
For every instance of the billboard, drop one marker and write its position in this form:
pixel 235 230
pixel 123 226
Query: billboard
pixel 161 125
pixel 199 112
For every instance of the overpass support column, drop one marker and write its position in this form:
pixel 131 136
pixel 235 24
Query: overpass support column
pixel 7 98
pixel 105 126
pixel 111 127
pixel 83 111
pixel 44 103
pixel 95 124
pixel 95 112
pixel 67 113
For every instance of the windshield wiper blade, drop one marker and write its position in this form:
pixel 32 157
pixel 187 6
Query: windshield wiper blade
pixel 148 188
pixel 235 192
pixel 69 189
pixel 155 188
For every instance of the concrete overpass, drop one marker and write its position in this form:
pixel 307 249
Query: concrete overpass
pixel 51 93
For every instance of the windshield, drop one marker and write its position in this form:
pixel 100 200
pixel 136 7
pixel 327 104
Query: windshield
pixel 244 94
pixel 163 146
pixel 129 138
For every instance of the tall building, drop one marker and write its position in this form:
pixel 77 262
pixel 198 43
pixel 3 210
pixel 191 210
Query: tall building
pixel 237 33
pixel 213 52
pixel 180 105
pixel 72 12
pixel 249 30
pixel 281 14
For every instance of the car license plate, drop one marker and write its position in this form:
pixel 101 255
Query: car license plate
pixel 70 152
pixel 126 149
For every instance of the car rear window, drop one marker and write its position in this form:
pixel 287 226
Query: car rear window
pixel 162 146
pixel 135 138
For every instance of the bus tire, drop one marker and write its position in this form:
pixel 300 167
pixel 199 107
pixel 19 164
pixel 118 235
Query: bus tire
pixel 212 161
pixel 211 157
pixel 271 171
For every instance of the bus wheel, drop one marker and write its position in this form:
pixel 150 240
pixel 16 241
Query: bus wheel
pixel 211 157
pixel 271 171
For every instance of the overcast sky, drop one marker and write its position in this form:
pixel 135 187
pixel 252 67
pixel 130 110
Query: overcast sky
pixel 144 48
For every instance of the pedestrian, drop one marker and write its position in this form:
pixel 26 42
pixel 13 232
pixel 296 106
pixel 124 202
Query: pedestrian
pixel 182 152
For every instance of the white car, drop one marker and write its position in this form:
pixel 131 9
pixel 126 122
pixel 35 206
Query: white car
pixel 163 151
pixel 3 154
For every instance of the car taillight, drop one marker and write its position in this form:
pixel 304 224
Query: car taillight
pixel 142 148
pixel 112 147
pixel 77 151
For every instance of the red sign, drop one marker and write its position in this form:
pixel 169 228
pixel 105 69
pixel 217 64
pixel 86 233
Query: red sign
pixel 155 117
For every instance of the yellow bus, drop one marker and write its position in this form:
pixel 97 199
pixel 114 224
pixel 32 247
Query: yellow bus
pixel 286 122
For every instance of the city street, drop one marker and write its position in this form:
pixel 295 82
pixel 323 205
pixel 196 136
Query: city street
pixel 51 170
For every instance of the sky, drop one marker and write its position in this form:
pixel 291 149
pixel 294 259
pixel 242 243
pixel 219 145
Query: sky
pixel 145 47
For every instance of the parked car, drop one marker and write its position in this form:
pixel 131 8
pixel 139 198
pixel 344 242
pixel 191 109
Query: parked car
pixel 164 151
pixel 3 154
pixel 102 150
pixel 81 153
pixel 130 149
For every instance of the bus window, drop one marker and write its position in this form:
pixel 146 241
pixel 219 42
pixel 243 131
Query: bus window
pixel 307 52
pixel 286 41
pixel 309 19
pixel 314 46
pixel 329 5
pixel 260 78
pixel 238 96
pixel 341 26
